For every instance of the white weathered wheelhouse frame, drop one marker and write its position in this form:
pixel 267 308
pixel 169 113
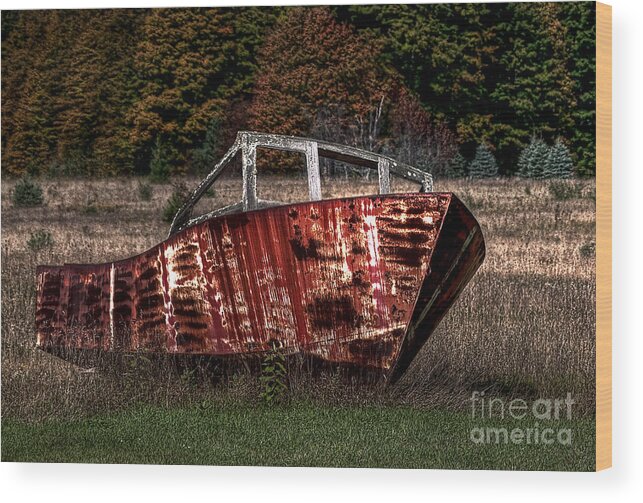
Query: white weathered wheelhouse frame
pixel 247 142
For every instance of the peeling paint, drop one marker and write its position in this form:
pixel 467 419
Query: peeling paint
pixel 354 281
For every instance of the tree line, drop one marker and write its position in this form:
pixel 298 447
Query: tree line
pixel 129 91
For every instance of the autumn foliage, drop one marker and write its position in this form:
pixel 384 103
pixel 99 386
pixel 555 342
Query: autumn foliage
pixel 95 92
pixel 309 63
pixel 319 76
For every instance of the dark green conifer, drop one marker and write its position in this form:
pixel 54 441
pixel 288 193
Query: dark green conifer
pixel 457 168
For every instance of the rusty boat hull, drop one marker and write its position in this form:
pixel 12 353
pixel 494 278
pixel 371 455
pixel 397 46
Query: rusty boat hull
pixel 360 281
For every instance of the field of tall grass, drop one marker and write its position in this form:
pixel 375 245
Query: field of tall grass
pixel 524 327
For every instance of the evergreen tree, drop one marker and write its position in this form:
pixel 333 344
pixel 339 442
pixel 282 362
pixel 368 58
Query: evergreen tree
pixel 35 103
pixel 97 88
pixel 524 160
pixel 159 166
pixel 534 159
pixel 186 63
pixel 441 50
pixel 534 90
pixel 500 72
pixel 23 34
pixel 484 163
pixel 101 89
pixel 579 19
pixel 538 159
pixel 204 157
pixel 457 168
pixel 559 163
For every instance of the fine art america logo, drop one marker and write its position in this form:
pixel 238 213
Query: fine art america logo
pixel 537 420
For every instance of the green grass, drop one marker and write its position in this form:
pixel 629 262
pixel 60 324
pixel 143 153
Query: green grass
pixel 295 435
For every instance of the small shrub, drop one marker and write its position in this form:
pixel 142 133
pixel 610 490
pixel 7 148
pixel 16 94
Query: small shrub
pixel 588 250
pixel 273 377
pixel 40 240
pixel 90 209
pixel 27 193
pixel 145 191
pixel 562 191
pixel 175 201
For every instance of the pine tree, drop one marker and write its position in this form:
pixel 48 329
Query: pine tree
pixel 441 50
pixel 496 71
pixel 23 34
pixel 159 165
pixel 457 168
pixel 186 65
pixel 101 89
pixel 579 19
pixel 204 157
pixel 559 163
pixel 484 163
pixel 35 103
pixel 534 88
pixel 538 159
pixel 524 165
pixel 534 160
pixel 68 88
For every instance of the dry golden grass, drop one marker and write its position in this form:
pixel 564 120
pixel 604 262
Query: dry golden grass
pixel 524 326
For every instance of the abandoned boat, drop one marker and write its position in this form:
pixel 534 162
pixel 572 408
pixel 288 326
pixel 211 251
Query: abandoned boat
pixel 357 281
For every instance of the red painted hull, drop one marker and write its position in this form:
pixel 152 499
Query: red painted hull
pixel 360 281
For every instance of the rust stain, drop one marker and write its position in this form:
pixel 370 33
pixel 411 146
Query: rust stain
pixel 361 281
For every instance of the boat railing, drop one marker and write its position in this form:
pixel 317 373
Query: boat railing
pixel 248 141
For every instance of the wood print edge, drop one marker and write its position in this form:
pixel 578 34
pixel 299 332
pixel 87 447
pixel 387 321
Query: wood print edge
pixel 603 236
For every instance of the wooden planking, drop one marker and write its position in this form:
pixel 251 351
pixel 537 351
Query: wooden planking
pixel 603 236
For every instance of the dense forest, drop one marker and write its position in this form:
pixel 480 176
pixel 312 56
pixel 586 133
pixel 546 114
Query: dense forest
pixel 107 92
